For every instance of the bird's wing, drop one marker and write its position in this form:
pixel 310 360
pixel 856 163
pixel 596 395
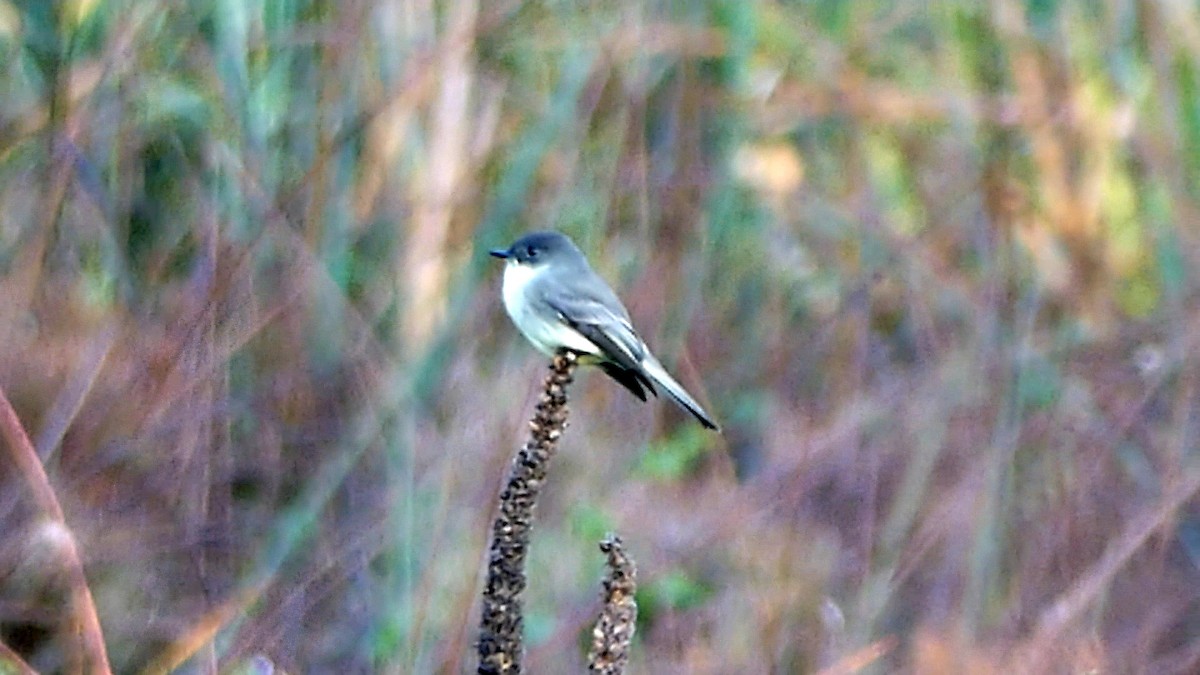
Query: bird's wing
pixel 633 365
pixel 604 322
pixel 633 380
pixel 595 311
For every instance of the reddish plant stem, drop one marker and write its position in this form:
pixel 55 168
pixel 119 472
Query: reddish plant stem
pixel 83 609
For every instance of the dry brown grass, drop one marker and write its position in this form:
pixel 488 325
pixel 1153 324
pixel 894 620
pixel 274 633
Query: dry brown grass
pixel 931 267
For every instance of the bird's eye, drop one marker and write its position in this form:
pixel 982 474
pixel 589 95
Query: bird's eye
pixel 531 252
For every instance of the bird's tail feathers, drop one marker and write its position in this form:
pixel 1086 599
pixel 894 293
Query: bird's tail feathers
pixel 659 375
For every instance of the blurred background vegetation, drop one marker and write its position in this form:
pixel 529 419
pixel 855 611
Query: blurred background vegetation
pixel 928 263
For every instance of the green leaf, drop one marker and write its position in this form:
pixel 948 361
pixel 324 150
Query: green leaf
pixel 676 456
pixel 1039 383
pixel 589 522
pixel 676 591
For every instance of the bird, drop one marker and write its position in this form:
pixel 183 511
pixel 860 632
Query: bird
pixel 557 301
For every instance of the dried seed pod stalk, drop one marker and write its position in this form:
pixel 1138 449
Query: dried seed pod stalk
pixel 613 633
pixel 500 646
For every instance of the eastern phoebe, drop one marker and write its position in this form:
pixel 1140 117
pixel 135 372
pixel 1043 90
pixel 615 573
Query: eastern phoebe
pixel 558 302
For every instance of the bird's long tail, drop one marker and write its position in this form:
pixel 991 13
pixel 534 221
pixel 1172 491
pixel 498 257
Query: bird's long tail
pixel 655 371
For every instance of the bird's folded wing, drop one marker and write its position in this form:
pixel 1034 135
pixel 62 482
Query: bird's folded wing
pixel 610 331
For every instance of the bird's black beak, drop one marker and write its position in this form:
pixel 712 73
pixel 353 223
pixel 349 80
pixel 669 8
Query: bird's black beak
pixel 501 253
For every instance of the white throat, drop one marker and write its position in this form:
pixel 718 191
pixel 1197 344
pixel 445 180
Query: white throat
pixel 547 333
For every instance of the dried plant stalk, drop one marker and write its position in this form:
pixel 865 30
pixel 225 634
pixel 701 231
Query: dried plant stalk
pixel 83 618
pixel 613 633
pixel 11 662
pixel 500 646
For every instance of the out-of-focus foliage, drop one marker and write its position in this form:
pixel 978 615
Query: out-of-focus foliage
pixel 930 264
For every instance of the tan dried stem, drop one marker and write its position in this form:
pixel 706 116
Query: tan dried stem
pixel 84 619
pixel 11 662
pixel 500 643
pixel 613 634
